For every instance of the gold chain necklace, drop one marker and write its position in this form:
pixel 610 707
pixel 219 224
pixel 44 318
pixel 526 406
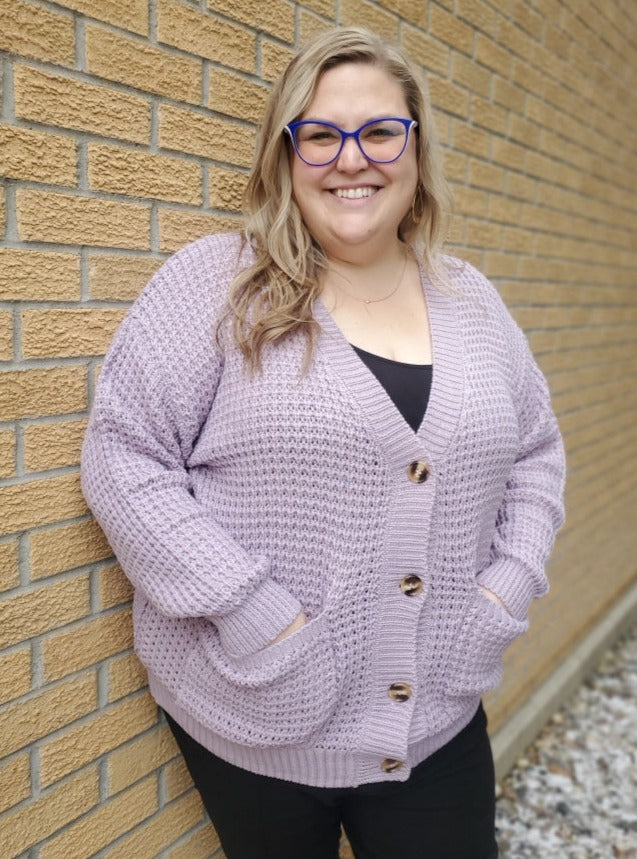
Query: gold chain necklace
pixel 385 297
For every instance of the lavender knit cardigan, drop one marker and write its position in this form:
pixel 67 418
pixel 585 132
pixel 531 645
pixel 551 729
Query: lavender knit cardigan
pixel 234 501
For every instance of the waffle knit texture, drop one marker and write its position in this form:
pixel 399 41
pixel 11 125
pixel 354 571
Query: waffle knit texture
pixel 235 501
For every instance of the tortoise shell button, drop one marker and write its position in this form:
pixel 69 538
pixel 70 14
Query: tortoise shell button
pixel 418 471
pixel 411 585
pixel 400 692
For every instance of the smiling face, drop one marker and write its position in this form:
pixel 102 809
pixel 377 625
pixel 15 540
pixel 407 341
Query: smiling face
pixel 353 207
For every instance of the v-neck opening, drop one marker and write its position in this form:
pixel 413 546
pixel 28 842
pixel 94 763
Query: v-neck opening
pixel 438 426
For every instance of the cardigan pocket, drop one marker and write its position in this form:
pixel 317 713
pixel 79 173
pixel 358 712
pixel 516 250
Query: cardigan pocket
pixel 475 661
pixel 277 696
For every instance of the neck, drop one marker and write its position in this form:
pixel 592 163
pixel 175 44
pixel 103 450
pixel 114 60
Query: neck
pixel 367 279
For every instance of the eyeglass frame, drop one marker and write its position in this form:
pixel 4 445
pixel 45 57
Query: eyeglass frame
pixel 292 127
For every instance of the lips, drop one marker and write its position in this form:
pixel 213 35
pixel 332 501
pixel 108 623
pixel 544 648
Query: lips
pixel 355 193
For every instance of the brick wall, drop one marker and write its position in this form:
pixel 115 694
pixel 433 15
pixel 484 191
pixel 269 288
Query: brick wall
pixel 126 127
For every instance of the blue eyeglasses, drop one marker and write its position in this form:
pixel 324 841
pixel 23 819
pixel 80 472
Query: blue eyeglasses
pixel 380 140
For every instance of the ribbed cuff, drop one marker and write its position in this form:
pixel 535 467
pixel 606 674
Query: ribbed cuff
pixel 268 611
pixel 514 584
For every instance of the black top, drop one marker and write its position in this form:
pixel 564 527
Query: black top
pixel 408 385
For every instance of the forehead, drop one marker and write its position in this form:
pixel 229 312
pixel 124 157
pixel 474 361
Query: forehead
pixel 352 93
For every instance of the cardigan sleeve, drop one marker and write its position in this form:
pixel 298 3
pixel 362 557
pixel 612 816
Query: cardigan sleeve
pixel 531 510
pixel 149 408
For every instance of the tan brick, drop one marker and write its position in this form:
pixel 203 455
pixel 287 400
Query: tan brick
pixel 482 233
pixel 53 445
pixel 15 674
pixel 127 14
pixel 236 96
pixel 428 52
pixel 327 7
pixel 26 721
pixel 275 17
pixel 508 95
pixel 83 743
pixel 32 393
pixel 470 75
pixel 310 25
pixel 69 103
pixel 450 29
pixel 6 335
pixel 37 157
pixel 9 571
pixel 55 550
pixel 147 842
pixel 143 174
pixel 376 19
pixel 38 275
pixel 139 757
pixel 524 132
pixel 522 187
pixel 503 209
pixel 471 201
pixel 177 779
pixel 493 56
pixel 73 220
pixel 141 66
pixel 39 610
pixel 485 175
pixel 33 31
pixel 201 34
pixel 478 14
pixel 475 141
pixel 105 824
pixel 126 675
pixel 456 164
pixel 52 811
pixel 226 188
pixel 516 40
pixel 15 781
pixel 274 59
pixel 199 846
pixel 200 134
pixel 488 115
pixel 3 212
pixel 448 97
pixel 500 265
pixel 114 587
pixel 177 227
pixel 87 643
pixel 507 153
pixel 68 333
pixel 527 18
pixel 120 278
pixel 40 502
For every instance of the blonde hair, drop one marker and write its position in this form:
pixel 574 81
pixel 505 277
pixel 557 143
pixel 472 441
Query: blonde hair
pixel 273 296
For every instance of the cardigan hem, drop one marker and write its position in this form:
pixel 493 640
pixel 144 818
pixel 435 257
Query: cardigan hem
pixel 315 767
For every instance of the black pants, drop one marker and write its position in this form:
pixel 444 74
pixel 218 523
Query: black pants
pixel 445 810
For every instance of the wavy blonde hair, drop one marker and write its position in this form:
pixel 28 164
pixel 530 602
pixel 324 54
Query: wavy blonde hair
pixel 272 297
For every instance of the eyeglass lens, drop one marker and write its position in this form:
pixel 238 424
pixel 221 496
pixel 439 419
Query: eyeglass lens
pixel 380 141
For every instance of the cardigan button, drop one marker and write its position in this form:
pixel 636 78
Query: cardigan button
pixel 400 692
pixel 411 585
pixel 418 471
pixel 390 765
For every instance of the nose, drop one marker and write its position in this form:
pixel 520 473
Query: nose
pixel 351 158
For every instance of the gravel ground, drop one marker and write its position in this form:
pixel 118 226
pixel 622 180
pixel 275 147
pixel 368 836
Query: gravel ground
pixel 574 794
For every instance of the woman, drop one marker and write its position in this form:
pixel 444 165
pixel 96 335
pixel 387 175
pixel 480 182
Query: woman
pixel 328 463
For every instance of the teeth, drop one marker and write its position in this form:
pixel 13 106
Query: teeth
pixel 354 193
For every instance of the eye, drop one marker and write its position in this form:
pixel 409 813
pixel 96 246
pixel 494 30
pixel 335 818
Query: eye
pixel 383 131
pixel 318 134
